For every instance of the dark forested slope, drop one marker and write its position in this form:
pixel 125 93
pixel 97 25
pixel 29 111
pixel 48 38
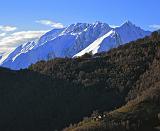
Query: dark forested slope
pixel 51 95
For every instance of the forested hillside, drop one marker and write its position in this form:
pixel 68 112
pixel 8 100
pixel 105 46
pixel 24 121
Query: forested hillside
pixel 121 87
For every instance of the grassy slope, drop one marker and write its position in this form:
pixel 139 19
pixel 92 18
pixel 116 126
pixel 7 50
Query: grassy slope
pixel 138 114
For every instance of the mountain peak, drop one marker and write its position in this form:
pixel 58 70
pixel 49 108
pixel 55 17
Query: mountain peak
pixel 128 23
pixel 99 23
pixel 75 28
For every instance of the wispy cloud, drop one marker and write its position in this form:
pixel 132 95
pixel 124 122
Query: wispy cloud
pixel 7 28
pixel 9 39
pixel 155 26
pixel 2 34
pixel 13 40
pixel 50 23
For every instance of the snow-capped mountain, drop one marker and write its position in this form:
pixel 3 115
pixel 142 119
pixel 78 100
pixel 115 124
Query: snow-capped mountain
pixel 104 43
pixel 74 40
pixel 125 33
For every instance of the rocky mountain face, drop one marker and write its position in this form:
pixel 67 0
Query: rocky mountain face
pixel 72 41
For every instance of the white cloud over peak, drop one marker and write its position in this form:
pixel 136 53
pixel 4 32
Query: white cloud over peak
pixel 155 26
pixel 11 41
pixel 7 28
pixel 50 23
pixel 10 38
pixel 2 34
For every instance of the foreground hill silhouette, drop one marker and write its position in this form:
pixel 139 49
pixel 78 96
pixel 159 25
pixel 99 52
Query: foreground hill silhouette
pixel 121 87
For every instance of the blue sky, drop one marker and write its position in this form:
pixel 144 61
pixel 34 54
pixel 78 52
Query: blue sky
pixel 37 16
